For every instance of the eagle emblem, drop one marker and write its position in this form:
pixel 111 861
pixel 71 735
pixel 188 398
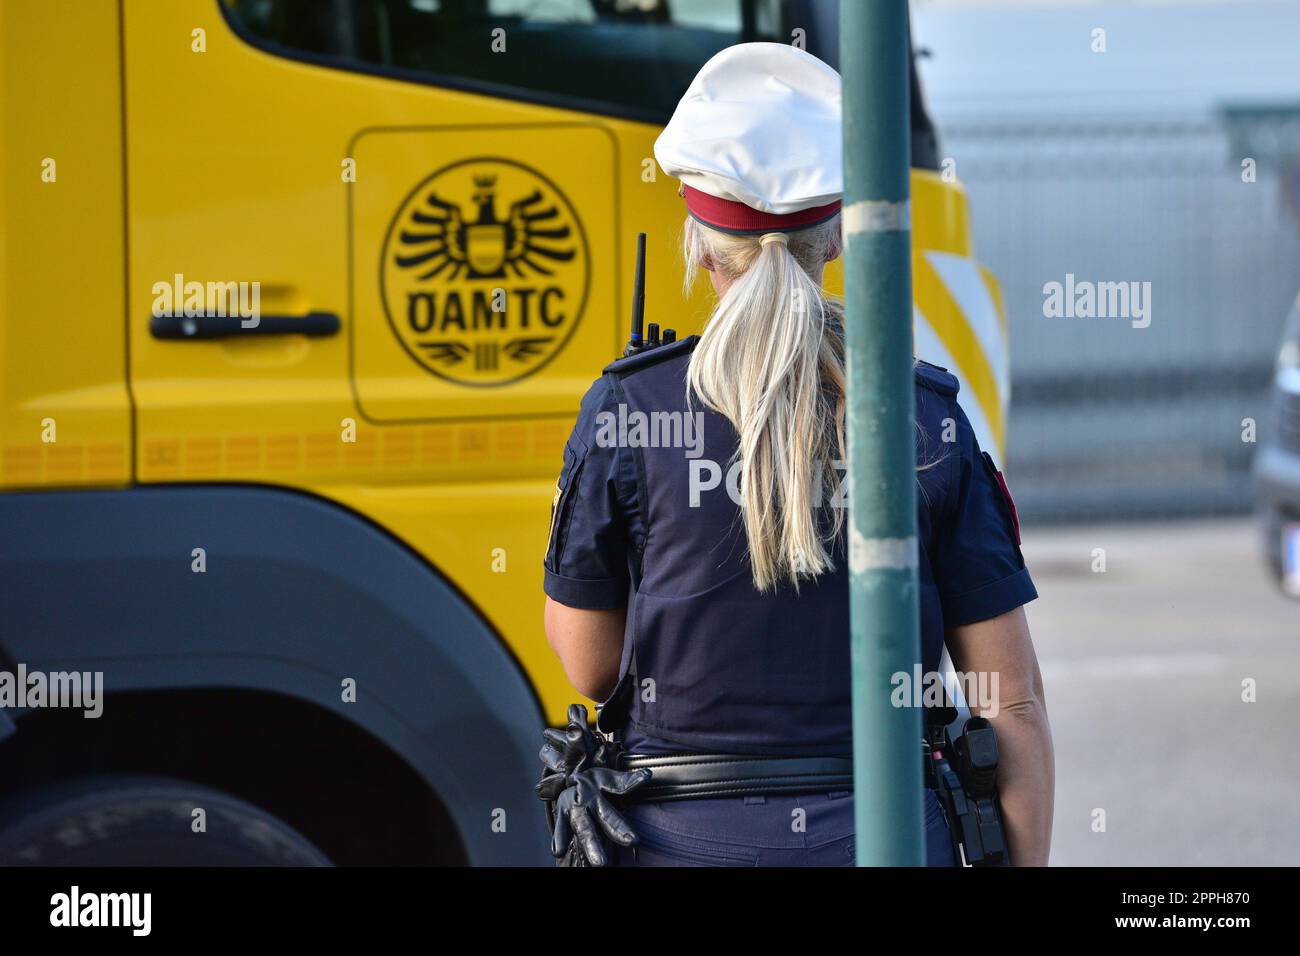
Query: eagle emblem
pixel 484 272
pixel 440 241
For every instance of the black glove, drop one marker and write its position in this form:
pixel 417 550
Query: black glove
pixel 573 812
pixel 573 747
pixel 579 775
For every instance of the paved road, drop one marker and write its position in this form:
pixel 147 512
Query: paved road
pixel 1143 666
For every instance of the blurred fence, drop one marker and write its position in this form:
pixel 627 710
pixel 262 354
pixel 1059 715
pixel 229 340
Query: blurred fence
pixel 1108 420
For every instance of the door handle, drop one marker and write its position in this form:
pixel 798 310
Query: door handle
pixel 183 327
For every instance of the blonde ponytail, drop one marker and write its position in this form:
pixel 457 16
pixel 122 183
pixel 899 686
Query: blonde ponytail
pixel 771 360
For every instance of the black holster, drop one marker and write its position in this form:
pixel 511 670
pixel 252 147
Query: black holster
pixel 963 774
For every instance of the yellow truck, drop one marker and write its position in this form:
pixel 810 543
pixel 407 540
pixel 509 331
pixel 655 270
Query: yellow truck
pixel 297 300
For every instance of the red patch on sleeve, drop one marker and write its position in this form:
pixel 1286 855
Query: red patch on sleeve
pixel 1006 493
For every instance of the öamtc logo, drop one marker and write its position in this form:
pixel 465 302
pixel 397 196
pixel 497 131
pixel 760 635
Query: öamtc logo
pixel 485 272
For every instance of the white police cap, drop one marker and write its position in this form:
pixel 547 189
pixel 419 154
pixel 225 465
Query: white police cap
pixel 756 140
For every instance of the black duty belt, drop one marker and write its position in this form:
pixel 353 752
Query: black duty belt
pixel 694 776
pixel 697 776
pixel 584 770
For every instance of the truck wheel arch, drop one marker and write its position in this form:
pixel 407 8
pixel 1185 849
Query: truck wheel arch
pixel 298 595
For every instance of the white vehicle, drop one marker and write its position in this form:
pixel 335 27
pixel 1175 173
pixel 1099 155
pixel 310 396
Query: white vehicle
pixel 1277 466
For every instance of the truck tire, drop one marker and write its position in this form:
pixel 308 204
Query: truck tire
pixel 143 821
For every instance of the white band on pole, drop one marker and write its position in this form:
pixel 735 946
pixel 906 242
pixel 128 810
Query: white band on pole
pixel 866 554
pixel 877 216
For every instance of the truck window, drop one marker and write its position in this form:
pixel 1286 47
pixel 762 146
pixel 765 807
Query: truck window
pixel 630 58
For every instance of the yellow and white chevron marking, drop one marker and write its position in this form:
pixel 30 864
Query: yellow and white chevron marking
pixel 959 323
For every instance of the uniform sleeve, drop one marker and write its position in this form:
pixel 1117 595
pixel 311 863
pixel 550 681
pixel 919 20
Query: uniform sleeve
pixel 977 563
pixel 586 562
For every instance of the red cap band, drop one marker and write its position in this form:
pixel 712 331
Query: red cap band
pixel 731 216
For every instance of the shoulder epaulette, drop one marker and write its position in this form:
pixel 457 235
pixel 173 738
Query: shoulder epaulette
pixel 647 357
pixel 936 378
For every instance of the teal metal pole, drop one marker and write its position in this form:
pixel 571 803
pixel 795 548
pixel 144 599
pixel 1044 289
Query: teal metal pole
pixel 882 464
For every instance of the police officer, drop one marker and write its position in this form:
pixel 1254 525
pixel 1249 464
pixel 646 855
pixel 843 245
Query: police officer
pixel 696 573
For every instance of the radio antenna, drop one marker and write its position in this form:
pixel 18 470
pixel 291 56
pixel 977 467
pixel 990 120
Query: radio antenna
pixel 634 342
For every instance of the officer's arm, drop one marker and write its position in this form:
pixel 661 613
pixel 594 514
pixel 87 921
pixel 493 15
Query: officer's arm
pixel 1026 770
pixel 589 644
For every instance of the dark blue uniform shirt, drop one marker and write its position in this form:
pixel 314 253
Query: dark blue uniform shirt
pixel 645 516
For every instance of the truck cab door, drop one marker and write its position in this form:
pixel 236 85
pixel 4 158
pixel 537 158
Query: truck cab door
pixel 416 254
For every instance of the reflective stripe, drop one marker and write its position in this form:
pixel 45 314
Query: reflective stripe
pixel 931 348
pixel 877 216
pixel 966 285
pixel 974 368
pixel 867 554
